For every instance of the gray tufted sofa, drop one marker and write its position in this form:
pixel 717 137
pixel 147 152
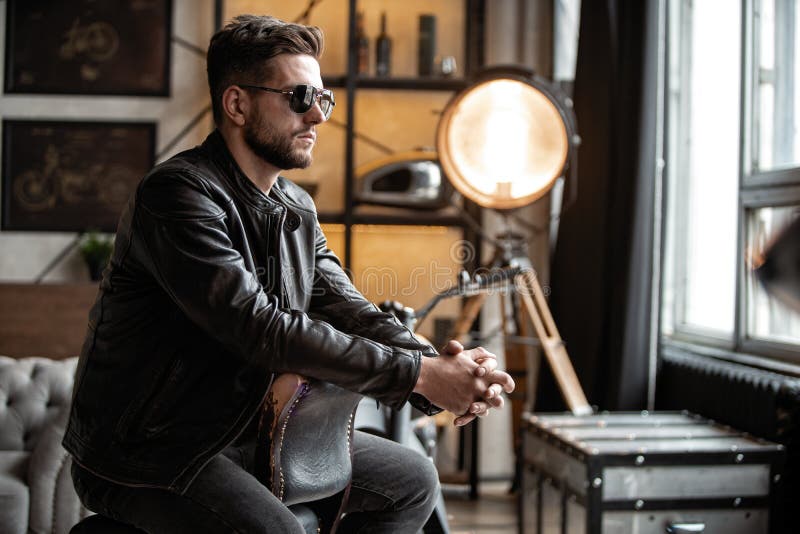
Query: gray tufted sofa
pixel 36 493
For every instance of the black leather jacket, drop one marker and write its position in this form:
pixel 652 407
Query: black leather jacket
pixel 213 288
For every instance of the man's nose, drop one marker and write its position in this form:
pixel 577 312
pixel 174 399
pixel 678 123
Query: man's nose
pixel 315 114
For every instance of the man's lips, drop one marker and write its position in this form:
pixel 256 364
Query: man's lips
pixel 311 136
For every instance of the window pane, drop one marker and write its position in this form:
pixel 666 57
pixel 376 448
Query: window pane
pixel 703 165
pixel 778 95
pixel 767 318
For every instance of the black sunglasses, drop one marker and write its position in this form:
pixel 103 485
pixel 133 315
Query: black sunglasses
pixel 302 97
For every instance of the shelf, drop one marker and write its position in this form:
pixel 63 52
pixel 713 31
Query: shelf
pixel 421 84
pixel 409 90
pixel 431 83
pixel 334 81
pixel 430 219
pixel 399 216
pixel 330 218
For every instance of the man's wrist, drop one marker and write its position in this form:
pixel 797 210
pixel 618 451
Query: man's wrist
pixel 422 404
pixel 422 378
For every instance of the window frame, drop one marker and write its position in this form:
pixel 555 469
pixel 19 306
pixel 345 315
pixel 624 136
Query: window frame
pixel 775 187
pixel 683 331
pixel 752 199
pixel 751 52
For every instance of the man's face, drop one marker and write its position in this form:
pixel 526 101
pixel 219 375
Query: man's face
pixel 273 131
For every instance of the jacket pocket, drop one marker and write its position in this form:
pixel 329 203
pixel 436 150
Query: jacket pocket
pixel 135 421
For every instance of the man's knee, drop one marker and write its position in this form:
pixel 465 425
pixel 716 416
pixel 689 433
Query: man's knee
pixel 430 476
pixel 424 483
pixel 403 477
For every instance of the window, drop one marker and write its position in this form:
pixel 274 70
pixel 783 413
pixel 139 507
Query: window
pixel 733 162
pixel 767 318
pixel 776 136
pixel 703 125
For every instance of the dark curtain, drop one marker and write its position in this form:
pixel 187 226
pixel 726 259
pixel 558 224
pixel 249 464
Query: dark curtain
pixel 603 261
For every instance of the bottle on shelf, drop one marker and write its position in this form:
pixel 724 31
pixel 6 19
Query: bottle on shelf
pixel 362 44
pixel 427 45
pixel 383 50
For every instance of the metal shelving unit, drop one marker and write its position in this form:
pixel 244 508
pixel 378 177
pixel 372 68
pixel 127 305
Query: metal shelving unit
pixel 353 82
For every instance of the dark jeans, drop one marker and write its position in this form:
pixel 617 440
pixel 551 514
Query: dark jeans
pixel 394 490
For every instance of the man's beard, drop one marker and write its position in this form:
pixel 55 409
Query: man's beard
pixel 274 149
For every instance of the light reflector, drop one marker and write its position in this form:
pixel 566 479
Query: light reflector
pixel 502 143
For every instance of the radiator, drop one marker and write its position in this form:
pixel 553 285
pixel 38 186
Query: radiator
pixel 762 403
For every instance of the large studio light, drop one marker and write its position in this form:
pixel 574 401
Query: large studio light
pixel 505 140
pixel 503 143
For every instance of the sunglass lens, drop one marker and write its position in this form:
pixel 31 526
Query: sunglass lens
pixel 302 98
pixel 326 103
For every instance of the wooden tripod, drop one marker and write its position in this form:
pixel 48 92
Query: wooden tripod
pixel 533 307
pixel 525 315
pixel 520 309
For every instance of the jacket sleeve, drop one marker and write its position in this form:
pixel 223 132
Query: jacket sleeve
pixel 190 254
pixel 338 302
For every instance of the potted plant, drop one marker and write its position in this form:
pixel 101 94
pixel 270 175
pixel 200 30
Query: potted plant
pixel 96 251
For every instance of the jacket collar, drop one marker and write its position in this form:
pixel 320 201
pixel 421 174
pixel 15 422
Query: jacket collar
pixel 245 188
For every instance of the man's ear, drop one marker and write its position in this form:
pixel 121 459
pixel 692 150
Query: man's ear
pixel 236 104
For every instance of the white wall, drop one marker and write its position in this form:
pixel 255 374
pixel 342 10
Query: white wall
pixel 23 255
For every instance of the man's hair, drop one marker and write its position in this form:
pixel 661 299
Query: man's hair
pixel 238 53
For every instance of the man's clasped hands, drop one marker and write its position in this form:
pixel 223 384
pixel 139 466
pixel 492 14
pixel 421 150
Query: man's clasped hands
pixel 464 382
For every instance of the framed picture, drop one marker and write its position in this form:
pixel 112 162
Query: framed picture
pixel 71 176
pixel 113 47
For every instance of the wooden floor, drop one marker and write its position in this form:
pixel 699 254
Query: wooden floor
pixel 494 512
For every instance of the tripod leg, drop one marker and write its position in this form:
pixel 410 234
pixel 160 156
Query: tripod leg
pixel 468 315
pixel 533 357
pixel 532 297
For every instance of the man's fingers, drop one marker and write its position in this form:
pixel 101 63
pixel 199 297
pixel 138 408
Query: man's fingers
pixel 496 402
pixel 493 396
pixel 485 366
pixel 463 420
pixel 476 409
pixel 479 353
pixel 503 379
pixel 453 347
pixel 487 362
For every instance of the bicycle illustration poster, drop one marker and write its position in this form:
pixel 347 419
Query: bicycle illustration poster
pixel 114 47
pixel 71 176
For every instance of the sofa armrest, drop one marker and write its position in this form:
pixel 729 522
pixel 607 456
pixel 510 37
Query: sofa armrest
pixel 54 504
pixel 14 502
